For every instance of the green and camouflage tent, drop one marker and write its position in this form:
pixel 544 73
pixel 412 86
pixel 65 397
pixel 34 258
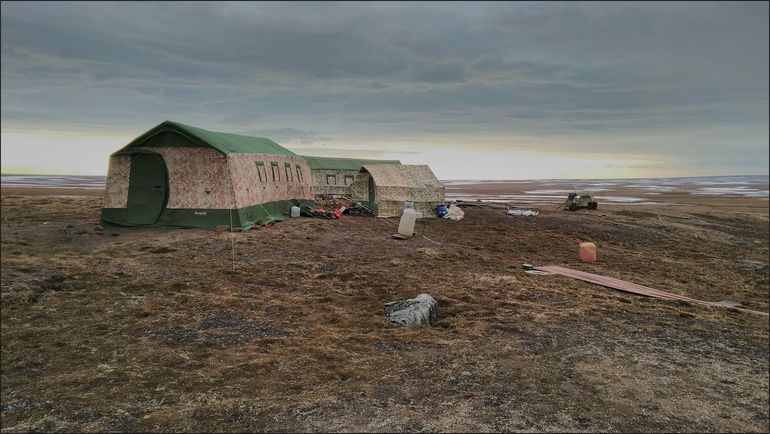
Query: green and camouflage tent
pixel 384 189
pixel 334 176
pixel 181 176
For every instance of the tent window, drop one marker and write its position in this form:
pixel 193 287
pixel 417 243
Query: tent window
pixel 261 171
pixel 331 179
pixel 276 172
pixel 287 170
pixel 348 179
pixel 299 173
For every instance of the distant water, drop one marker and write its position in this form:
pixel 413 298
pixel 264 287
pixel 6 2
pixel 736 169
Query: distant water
pixel 53 181
pixel 738 186
pixel 704 185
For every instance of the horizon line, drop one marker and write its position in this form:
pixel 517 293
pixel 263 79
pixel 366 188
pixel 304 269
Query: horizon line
pixel 469 179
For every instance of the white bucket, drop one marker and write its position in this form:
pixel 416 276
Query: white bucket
pixel 295 211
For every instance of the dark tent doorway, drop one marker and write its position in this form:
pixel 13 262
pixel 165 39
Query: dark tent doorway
pixel 372 190
pixel 147 189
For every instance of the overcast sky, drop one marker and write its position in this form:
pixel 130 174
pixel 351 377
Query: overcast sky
pixel 476 90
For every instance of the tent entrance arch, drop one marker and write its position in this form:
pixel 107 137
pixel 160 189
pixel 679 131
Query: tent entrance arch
pixel 147 189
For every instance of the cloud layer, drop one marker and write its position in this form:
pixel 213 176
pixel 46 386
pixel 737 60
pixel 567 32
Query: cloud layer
pixel 684 83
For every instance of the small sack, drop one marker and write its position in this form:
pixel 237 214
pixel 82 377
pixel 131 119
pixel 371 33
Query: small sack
pixel 454 213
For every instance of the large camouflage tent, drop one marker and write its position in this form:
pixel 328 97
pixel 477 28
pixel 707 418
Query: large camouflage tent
pixel 182 176
pixel 384 188
pixel 334 176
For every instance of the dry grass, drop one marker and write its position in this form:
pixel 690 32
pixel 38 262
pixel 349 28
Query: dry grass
pixel 154 330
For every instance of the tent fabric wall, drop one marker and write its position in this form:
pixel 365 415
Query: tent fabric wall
pixel 248 188
pixel 116 189
pixel 322 186
pixel 394 184
pixel 323 168
pixel 197 179
pixel 208 188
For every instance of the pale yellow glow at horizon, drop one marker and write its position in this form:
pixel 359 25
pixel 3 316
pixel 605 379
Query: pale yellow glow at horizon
pixel 73 153
pixel 530 165
pixel 65 153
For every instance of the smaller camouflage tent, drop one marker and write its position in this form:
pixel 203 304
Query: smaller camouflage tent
pixel 334 176
pixel 385 187
pixel 182 176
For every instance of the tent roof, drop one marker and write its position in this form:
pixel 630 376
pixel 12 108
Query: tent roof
pixel 225 143
pixel 327 163
pixel 409 176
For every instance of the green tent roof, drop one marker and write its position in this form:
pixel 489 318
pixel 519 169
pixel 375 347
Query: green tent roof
pixel 226 143
pixel 326 163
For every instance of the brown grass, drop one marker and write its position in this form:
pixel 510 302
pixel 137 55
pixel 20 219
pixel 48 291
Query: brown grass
pixel 155 330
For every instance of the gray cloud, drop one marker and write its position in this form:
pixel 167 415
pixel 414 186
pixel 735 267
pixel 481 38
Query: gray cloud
pixel 627 78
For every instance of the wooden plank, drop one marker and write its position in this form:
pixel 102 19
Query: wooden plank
pixel 633 288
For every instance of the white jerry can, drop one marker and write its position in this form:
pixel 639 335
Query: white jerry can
pixel 406 225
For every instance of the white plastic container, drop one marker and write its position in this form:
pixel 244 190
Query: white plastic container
pixel 406 225
pixel 295 211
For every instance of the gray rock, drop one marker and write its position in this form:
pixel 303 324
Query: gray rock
pixel 98 228
pixel 421 310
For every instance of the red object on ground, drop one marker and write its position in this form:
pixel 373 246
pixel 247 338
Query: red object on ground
pixel 622 285
pixel 587 252
pixel 336 213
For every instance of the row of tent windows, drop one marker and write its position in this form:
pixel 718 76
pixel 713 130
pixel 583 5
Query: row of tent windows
pixel 332 179
pixel 275 171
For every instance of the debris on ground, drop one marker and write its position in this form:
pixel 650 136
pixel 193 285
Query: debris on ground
pixel 406 224
pixel 587 252
pixel 633 288
pixel 538 272
pixel 441 211
pixel 421 310
pixel 728 303
pixel 326 213
pixel 522 212
pixel 454 213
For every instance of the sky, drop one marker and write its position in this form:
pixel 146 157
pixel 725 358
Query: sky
pixel 476 90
